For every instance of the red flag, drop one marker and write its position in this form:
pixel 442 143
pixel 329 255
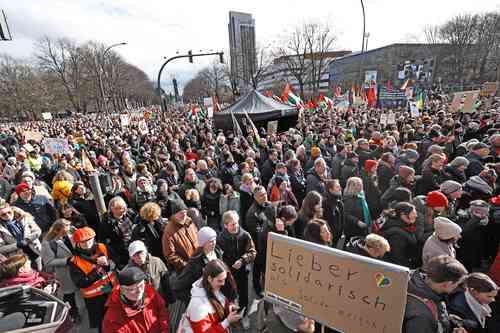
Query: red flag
pixel 268 93
pixel 286 91
pixel 321 97
pixel 372 100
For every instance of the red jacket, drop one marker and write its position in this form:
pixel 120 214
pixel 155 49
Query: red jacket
pixel 152 318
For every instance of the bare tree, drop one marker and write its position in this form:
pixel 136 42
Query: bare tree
pixel 215 77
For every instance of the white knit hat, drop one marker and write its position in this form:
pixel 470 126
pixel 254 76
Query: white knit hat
pixel 446 229
pixel 205 235
pixel 136 246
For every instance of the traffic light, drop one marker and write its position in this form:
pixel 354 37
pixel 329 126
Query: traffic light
pixel 190 54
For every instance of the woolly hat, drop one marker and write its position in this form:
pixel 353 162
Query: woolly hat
pixel 405 171
pixel 459 161
pixel 22 187
pixel 436 199
pixel 83 234
pixel 480 206
pixel 446 229
pixel 480 145
pixel 315 152
pixel 136 246
pixel 205 235
pixel 175 206
pixel 28 174
pixel 411 154
pixel 369 164
pixel 131 275
pixel 450 186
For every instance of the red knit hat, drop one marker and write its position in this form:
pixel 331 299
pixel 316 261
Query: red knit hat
pixel 22 187
pixel 83 234
pixel 436 199
pixel 369 164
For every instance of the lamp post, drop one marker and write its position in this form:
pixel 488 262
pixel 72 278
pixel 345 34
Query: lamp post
pixel 362 44
pixel 189 55
pixel 102 63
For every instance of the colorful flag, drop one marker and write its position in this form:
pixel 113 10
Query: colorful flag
pixel 289 97
pixel 420 100
pixel 215 103
pixel 254 129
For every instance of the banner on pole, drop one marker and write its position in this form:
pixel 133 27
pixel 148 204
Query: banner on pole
pixel 341 290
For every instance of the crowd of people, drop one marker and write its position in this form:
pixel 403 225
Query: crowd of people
pixel 189 208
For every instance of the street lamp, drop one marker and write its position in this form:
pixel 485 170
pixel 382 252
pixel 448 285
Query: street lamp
pixel 101 85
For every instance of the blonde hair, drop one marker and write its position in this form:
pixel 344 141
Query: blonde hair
pixel 377 242
pixel 230 215
pixel 246 177
pixel 56 228
pixel 192 194
pixel 63 175
pixel 350 188
pixel 151 211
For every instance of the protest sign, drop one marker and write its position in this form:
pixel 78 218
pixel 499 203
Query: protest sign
pixel 391 118
pixel 46 116
pixel 341 290
pixel 272 127
pixel 207 101
pixel 415 113
pixel 210 112
pixel 56 146
pixel 470 101
pixel 383 119
pixel 124 120
pixel 456 102
pixel 489 89
pixel 33 135
pixel 143 127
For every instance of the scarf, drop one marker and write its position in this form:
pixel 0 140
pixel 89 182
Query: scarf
pixel 16 229
pixel 480 311
pixel 135 305
pixel 366 211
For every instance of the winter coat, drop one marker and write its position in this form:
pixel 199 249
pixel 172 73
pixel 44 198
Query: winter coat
pixel 89 210
pixel 152 317
pixel 197 185
pixel 418 316
pixel 434 247
pixel 472 235
pixel 298 184
pixel 236 247
pixel 210 207
pixel 40 208
pixel 315 182
pixel 151 235
pixel 476 165
pixel 424 228
pixel 388 196
pixel 452 173
pixel 246 201
pixel 5 188
pixel 475 188
pixel 333 213
pixel 353 212
pixel 402 241
pixel 372 192
pixel 111 235
pixel 267 171
pixel 337 164
pixel 349 169
pixel 57 262
pixel 458 306
pixel 154 269
pixel 384 174
pixel 430 181
pixel 191 273
pixel 201 314
pixel 229 202
pixel 365 155
pixel 179 243
pixel 32 233
pixel 258 217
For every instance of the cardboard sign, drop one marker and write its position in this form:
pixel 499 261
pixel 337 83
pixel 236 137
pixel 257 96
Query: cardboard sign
pixel 124 120
pixel 343 291
pixel 46 115
pixel 414 111
pixel 272 127
pixel 456 102
pixel 56 146
pixel 33 135
pixel 470 101
pixel 489 89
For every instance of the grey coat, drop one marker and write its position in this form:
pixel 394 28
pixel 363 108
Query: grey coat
pixel 8 242
pixel 57 263
pixel 231 202
pixel 154 269
pixel 434 247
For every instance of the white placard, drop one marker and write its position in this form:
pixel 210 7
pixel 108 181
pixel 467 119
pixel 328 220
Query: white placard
pixel 415 113
pixel 124 120
pixel 56 146
pixel 47 116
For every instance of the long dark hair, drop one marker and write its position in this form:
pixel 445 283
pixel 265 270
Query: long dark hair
pixel 312 232
pixel 312 199
pixel 213 269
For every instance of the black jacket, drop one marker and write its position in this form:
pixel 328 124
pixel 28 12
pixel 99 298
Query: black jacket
pixel 458 306
pixel 372 193
pixel 403 243
pixel 349 169
pixel 246 200
pixel 353 212
pixel 452 173
pixel 257 218
pixel 298 184
pixel 430 180
pixel 150 235
pixel 384 174
pixel 355 245
pixel 111 235
pixel 315 183
pixel 337 164
pixel 89 210
pixel 236 247
pixel 418 317
pixel 267 171
pixel 43 212
pixel 210 205
pixel 476 164
pixel 333 213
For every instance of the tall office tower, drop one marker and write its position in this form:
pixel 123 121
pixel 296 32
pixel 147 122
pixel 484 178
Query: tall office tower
pixel 242 48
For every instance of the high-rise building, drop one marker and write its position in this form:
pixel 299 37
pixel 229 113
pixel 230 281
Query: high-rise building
pixel 242 48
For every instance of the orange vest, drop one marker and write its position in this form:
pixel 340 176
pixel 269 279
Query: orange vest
pixel 102 286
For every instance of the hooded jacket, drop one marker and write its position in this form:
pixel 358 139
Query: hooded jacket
pixel 434 247
pixel 418 316
pixel 201 314
pixel 152 317
pixel 403 242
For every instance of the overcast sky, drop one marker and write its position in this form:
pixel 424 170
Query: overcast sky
pixel 157 28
